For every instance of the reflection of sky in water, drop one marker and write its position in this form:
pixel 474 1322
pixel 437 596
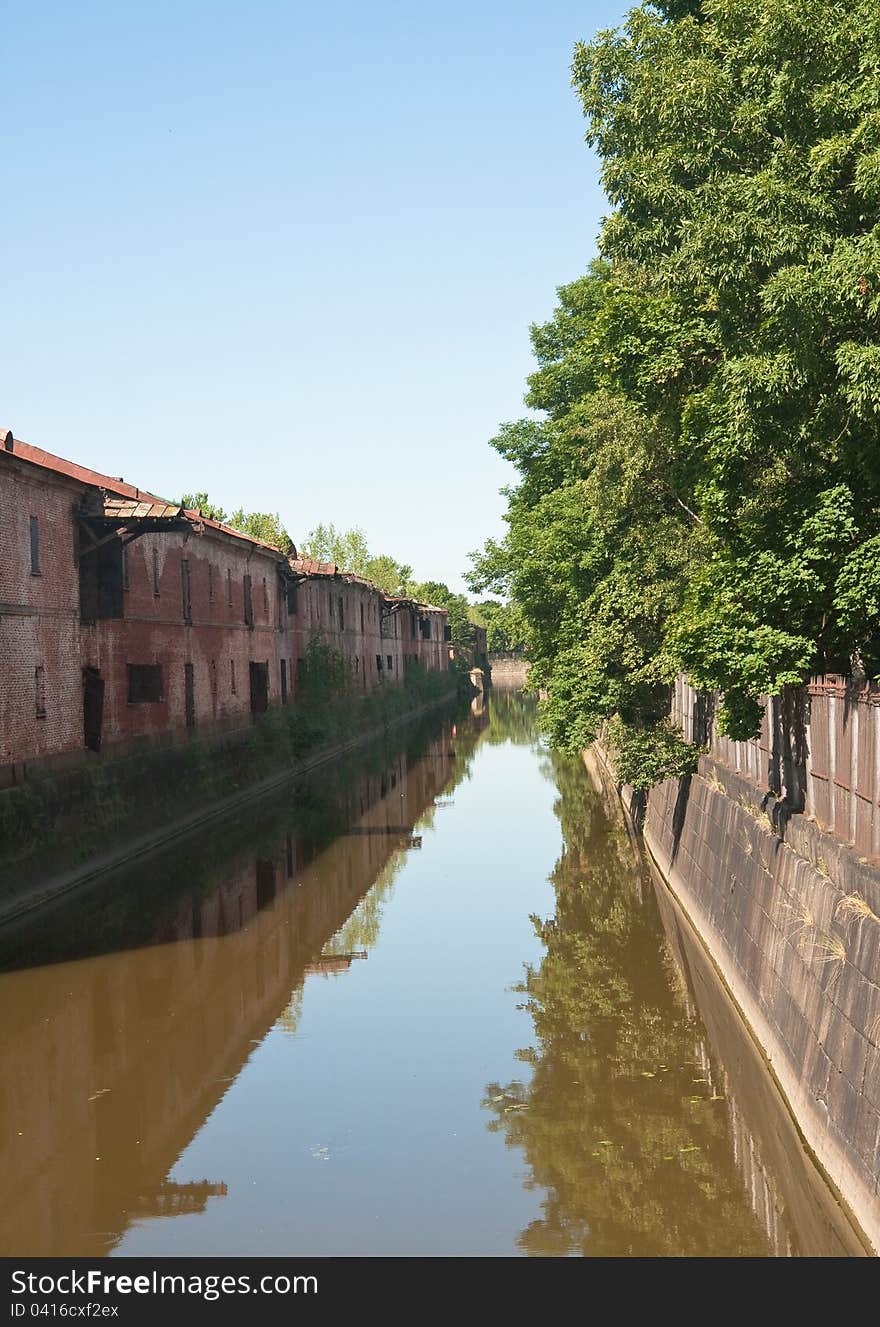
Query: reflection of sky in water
pixel 363 1132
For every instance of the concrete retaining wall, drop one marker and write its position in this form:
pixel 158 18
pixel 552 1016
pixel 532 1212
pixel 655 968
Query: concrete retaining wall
pixel 793 926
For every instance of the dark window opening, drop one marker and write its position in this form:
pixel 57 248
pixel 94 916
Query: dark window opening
pixel 155 571
pixel 101 581
pixel 390 663
pixel 125 580
pixel 248 603
pixel 259 679
pixel 341 615
pixel 362 618
pixel 378 663
pixel 292 598
pixel 189 695
pixel 39 692
pixel 232 676
pixel 229 586
pixel 283 681
pixel 144 683
pixel 185 590
pixel 265 598
pixel 210 582
pixel 425 624
pixel 35 546
pixel 93 708
pixel 447 633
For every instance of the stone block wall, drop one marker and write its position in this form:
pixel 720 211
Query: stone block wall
pixel 793 926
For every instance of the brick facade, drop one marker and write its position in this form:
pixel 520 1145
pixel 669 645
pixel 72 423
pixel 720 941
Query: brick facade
pixel 125 618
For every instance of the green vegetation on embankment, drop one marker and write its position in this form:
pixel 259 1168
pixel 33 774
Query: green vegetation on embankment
pixel 701 488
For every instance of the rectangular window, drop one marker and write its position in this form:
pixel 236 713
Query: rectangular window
pixel 155 571
pixel 229 586
pixel 357 664
pixel 341 615
pixel 125 582
pixel 210 582
pixel 248 603
pixel 390 663
pixel 283 681
pixel 362 619
pixel 378 663
pixel 184 590
pixel 144 683
pixel 35 546
pixel 39 692
pixel 232 676
pixel 265 599
pixel 292 598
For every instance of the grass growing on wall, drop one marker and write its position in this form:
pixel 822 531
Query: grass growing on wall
pixel 71 816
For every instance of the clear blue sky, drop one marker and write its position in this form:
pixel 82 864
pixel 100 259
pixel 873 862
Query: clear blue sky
pixel 289 252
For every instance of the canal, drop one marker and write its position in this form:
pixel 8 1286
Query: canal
pixel 428 1001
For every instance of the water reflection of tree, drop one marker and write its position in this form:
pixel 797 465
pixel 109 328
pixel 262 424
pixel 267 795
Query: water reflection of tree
pixel 512 718
pixel 626 1142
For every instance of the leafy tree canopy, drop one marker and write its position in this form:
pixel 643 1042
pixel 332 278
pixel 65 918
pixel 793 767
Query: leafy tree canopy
pixel 201 502
pixel 701 489
pixel 263 525
pixel 349 550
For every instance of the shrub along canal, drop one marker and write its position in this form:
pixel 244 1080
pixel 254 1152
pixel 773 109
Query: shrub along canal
pixel 423 1003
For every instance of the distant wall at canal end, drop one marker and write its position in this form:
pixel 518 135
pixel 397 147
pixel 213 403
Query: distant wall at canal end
pixel 790 913
pixel 508 670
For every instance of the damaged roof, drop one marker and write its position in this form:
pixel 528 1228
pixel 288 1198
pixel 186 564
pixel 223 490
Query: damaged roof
pixel 120 501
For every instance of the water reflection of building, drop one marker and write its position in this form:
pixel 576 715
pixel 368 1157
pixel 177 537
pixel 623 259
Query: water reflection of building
pixel 112 1057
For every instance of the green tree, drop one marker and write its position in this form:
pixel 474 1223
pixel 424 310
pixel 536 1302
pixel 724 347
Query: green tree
pixel 201 502
pixel 262 525
pixel 506 628
pixel 701 489
pixel 349 550
pixel 389 574
pixel 741 154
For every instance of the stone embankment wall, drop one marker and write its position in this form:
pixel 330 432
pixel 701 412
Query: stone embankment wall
pixel 508 670
pixel 790 914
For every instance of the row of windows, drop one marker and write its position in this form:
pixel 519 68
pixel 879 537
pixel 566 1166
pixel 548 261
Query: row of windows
pixel 146 682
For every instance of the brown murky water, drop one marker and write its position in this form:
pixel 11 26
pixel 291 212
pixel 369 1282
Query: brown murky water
pixel 424 1004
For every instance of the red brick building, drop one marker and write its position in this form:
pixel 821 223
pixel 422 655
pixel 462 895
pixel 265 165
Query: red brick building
pixel 124 617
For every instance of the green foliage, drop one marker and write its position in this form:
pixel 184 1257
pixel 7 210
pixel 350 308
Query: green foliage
pixel 349 550
pixel 506 626
pixel 264 526
pixel 645 756
pixel 702 489
pixel 201 502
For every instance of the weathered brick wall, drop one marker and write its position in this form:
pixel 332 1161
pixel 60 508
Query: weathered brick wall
pixel 794 928
pixel 203 633
pixel 39 617
pixel 217 641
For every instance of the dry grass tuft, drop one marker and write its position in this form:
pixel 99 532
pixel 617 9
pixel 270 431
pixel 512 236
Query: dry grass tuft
pixel 853 905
